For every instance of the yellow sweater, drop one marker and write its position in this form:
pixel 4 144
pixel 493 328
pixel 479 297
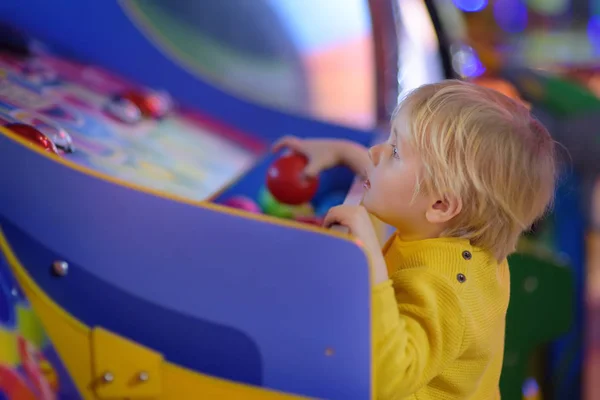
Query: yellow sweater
pixel 439 321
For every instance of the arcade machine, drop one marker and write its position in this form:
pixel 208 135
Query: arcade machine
pixel 137 259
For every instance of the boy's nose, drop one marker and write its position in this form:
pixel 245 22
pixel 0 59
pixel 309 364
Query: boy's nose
pixel 375 153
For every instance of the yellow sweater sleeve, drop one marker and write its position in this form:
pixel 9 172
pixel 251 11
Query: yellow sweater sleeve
pixel 418 326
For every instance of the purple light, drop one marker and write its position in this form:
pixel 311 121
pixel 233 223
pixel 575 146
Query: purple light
pixel 531 388
pixel 511 15
pixel 467 63
pixel 593 31
pixel 471 5
pixel 473 70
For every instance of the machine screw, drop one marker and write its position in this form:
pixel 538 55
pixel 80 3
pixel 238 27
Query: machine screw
pixel 60 268
pixel 108 377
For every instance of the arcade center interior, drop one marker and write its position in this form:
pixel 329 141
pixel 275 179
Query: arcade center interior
pixel 148 234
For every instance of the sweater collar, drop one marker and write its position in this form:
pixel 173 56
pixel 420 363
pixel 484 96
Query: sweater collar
pixel 440 251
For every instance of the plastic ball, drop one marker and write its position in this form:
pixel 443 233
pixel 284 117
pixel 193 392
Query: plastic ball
pixel 123 110
pixel 305 210
pixel 150 104
pixel 34 136
pixel 56 134
pixel 329 201
pixel 243 203
pixel 287 182
pixel 310 220
pixel 271 206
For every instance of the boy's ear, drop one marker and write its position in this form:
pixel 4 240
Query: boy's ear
pixel 444 209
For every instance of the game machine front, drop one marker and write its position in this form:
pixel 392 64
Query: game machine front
pixel 122 277
pixel 152 246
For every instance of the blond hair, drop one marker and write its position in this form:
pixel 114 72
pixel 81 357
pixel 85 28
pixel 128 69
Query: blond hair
pixel 486 149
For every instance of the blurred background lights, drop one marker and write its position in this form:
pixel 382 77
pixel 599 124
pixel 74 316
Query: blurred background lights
pixel 511 15
pixel 593 31
pixel 471 5
pixel 467 63
pixel 549 7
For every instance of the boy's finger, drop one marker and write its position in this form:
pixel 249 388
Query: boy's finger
pixel 290 142
pixel 313 169
pixel 330 219
pixel 334 216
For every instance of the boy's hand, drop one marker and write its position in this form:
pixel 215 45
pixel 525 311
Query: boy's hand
pixel 322 154
pixel 357 220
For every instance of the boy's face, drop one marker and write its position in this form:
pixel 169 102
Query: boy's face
pixel 391 184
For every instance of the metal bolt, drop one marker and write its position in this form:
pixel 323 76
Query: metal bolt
pixel 108 377
pixel 143 376
pixel 60 268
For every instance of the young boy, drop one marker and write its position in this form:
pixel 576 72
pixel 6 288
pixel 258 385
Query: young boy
pixel 464 172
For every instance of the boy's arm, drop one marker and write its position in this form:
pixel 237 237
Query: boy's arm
pixel 417 329
pixel 327 153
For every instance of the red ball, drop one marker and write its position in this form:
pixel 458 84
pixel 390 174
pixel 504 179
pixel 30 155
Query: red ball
pixel 33 135
pixel 310 220
pixel 243 203
pixel 151 105
pixel 287 182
